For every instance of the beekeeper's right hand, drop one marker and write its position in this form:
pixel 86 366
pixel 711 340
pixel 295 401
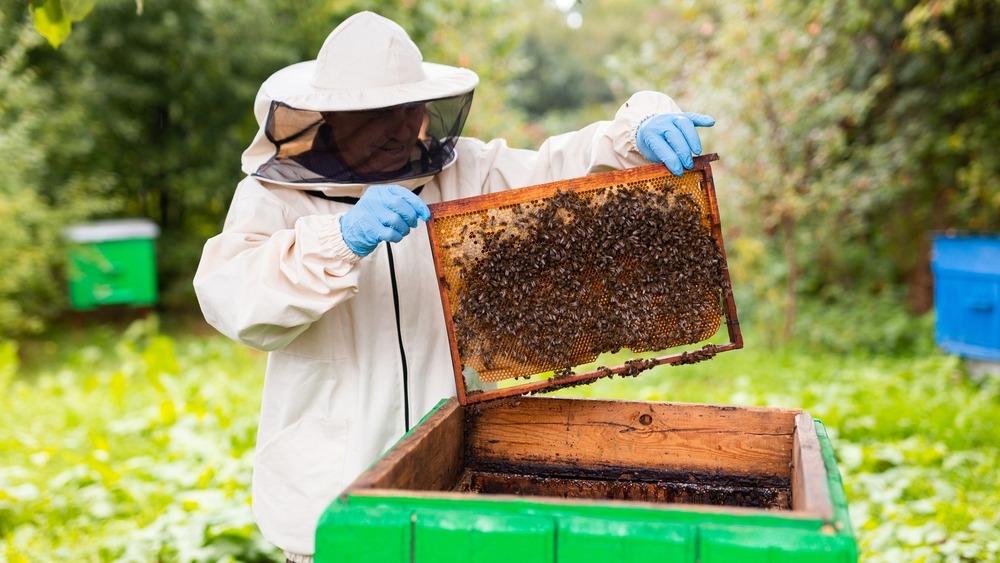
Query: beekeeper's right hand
pixel 384 213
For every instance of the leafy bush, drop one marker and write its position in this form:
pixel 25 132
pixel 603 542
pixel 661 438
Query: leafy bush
pixel 137 446
pixel 33 250
pixel 25 220
pixel 134 449
pixel 875 325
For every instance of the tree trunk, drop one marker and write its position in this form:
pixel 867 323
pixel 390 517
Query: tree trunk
pixel 920 282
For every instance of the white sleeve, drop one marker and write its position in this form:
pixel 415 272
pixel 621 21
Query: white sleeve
pixel 272 273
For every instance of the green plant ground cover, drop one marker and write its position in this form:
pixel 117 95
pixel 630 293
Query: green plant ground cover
pixel 136 445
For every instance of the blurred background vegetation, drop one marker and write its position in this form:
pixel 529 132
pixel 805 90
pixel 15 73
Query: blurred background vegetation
pixel 848 132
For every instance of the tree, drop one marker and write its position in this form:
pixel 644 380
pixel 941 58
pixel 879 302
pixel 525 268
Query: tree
pixel 848 132
pixel 931 129
pixel 148 115
pixel 555 70
pixel 31 289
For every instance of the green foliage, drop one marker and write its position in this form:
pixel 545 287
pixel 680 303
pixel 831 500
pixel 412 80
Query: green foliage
pixel 135 448
pixel 555 73
pixel 54 19
pixel 860 324
pixel 929 131
pixel 31 224
pixel 137 445
pixel 847 130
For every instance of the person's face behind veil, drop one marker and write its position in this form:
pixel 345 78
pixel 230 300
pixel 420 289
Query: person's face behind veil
pixel 376 141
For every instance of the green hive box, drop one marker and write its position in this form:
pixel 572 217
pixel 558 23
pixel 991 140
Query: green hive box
pixel 496 476
pixel 555 480
pixel 112 263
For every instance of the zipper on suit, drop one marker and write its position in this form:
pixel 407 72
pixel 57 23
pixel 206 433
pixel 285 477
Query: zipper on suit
pixel 399 337
pixel 395 301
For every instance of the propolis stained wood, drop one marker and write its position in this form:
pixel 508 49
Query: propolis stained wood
pixel 596 480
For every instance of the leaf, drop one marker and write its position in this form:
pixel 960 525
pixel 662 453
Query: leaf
pixel 118 385
pixel 76 10
pixel 54 19
pixel 168 412
pixel 160 356
pixel 50 20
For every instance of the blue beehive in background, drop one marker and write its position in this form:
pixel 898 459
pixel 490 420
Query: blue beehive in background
pixel 967 294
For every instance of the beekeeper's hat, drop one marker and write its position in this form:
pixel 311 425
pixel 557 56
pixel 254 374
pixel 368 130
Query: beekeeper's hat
pixel 367 62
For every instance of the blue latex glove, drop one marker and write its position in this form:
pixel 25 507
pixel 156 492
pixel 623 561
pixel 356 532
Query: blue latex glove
pixel 383 213
pixel 671 138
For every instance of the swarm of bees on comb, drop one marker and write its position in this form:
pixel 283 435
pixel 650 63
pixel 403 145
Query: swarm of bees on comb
pixel 552 283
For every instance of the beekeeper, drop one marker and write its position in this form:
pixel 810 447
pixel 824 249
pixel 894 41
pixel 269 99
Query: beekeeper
pixel 351 148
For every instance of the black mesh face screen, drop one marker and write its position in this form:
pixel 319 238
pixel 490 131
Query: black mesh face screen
pixel 363 147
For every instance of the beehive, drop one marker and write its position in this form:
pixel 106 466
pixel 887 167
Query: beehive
pixel 556 480
pixel 538 284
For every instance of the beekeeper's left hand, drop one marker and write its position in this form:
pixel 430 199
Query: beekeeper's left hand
pixel 671 138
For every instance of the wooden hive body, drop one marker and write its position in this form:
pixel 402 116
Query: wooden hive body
pixel 496 476
pixel 560 479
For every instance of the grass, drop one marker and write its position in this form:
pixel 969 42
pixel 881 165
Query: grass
pixel 132 446
pixel 133 442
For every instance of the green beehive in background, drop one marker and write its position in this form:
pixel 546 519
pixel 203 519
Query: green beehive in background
pixel 112 263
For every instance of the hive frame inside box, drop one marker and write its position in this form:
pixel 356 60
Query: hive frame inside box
pixel 475 392
pixel 408 496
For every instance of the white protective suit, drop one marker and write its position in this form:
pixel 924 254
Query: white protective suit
pixel 358 350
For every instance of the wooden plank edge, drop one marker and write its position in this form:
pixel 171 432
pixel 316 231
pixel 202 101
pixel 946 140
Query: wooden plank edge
pixel 531 193
pixel 631 368
pixel 568 407
pixel 456 361
pixel 427 434
pixel 567 402
pixel 729 301
pixel 810 490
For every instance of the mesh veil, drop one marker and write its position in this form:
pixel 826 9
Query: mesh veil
pixel 363 147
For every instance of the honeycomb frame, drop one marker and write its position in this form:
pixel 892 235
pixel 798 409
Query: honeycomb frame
pixel 516 263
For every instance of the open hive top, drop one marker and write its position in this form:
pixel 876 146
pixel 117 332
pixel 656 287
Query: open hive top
pixel 538 281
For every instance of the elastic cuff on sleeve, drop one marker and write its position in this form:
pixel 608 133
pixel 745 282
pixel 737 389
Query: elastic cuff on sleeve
pixel 321 243
pixel 340 248
pixel 633 144
pixel 640 107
